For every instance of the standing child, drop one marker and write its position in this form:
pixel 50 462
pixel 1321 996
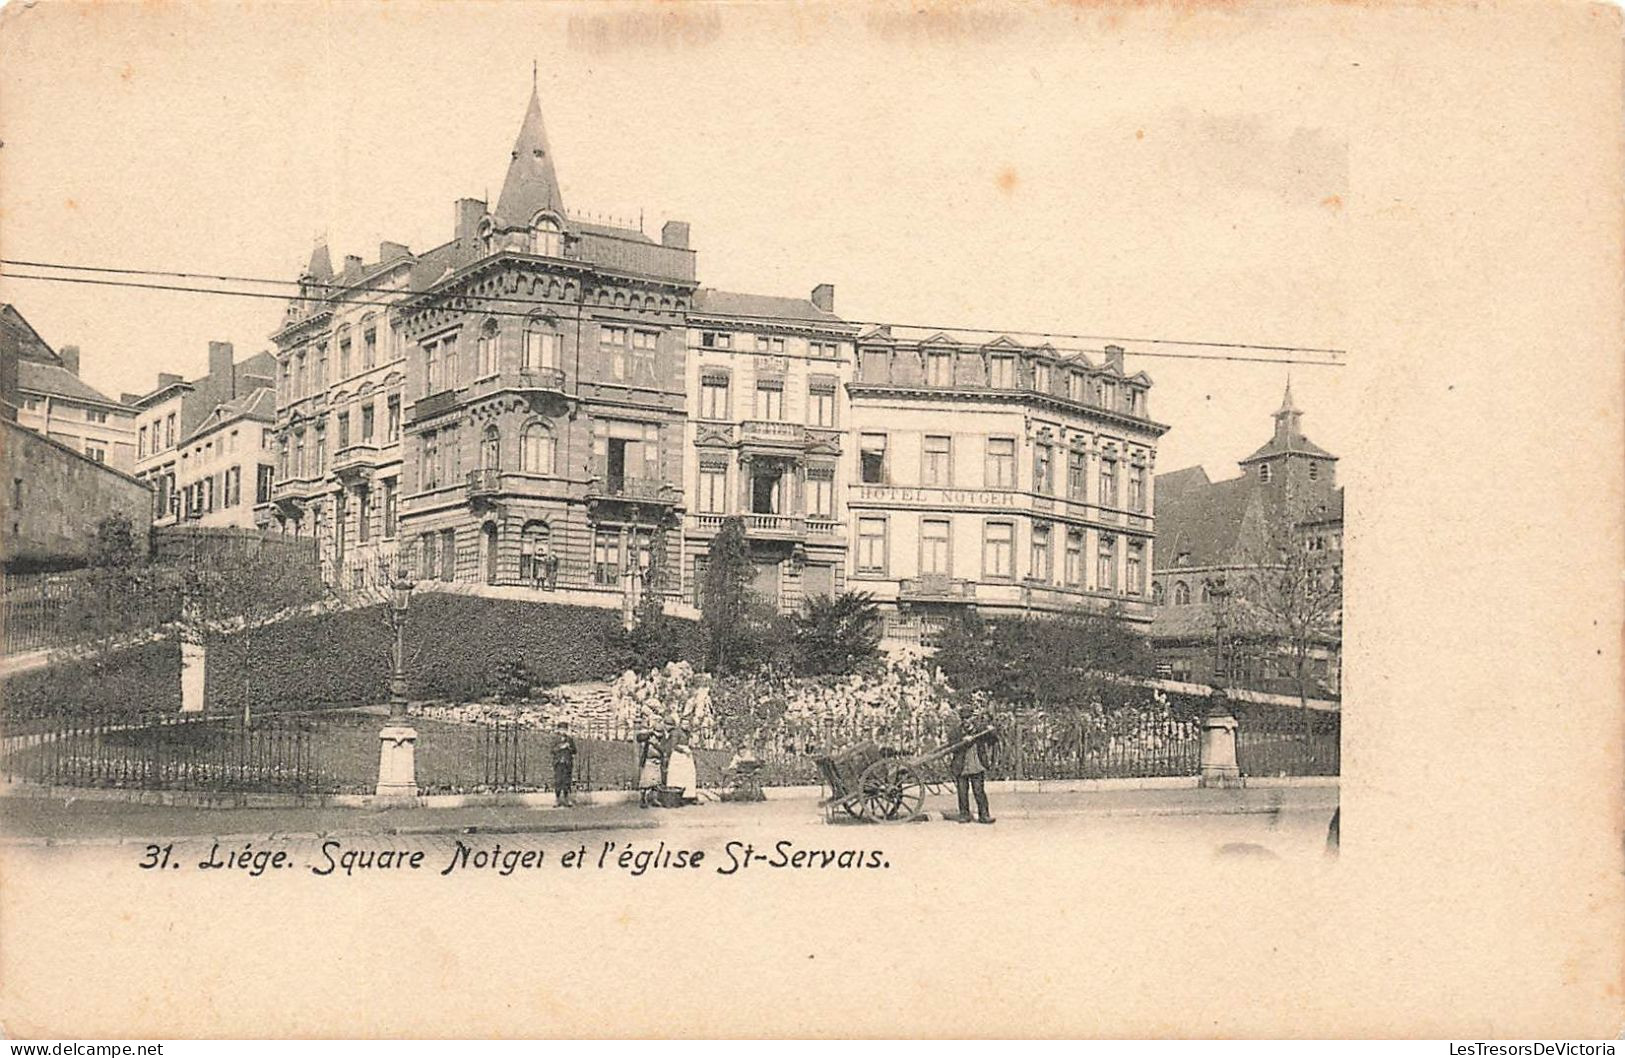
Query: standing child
pixel 564 764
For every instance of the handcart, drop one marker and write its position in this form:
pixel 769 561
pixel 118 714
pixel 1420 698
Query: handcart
pixel 880 785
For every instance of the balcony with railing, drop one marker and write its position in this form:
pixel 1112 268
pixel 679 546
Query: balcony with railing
pixel 633 490
pixel 758 526
pixel 935 587
pixel 434 404
pixel 486 481
pixel 357 458
pixel 822 527
pixel 544 379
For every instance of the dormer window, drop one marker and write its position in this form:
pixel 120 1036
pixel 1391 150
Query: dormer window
pixel 487 243
pixel 547 238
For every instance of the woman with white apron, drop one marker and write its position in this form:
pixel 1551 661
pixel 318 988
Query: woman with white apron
pixel 680 773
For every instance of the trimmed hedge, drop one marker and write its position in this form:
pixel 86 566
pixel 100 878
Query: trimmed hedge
pixel 454 645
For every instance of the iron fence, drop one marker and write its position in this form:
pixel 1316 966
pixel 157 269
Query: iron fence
pixel 1281 743
pixel 213 753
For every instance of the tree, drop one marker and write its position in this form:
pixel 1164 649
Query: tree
pixel 120 601
pixel 1048 662
pixel 236 587
pixel 653 640
pixel 1298 598
pixel 835 635
pixel 114 547
pixel 725 614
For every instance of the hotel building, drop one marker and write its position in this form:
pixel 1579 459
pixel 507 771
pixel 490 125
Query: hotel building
pixel 999 476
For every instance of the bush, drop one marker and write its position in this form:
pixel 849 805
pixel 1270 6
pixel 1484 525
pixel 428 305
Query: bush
pixel 457 647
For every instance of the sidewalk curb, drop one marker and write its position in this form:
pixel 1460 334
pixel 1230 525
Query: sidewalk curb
pixel 312 835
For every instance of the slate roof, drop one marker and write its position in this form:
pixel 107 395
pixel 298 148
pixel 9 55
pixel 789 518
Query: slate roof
pixel 1295 444
pixel 712 302
pixel 57 381
pixel 21 339
pixel 531 185
pixel 1176 483
pixel 259 405
pixel 611 231
pixel 1207 520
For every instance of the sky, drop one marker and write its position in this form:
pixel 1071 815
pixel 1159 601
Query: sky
pixel 1146 174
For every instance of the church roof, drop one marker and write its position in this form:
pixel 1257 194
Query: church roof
pixel 531 185
pixel 1206 522
pixel 1293 445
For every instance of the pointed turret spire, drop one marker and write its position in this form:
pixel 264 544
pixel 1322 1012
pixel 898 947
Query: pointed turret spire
pixel 531 185
pixel 321 265
pixel 1286 420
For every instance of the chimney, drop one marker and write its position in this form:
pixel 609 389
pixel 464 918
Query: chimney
pixel 389 251
pixel 1114 356
pixel 70 357
pixel 352 263
pixel 167 379
pixel 675 234
pixel 128 398
pixel 220 372
pixel 823 296
pixel 470 211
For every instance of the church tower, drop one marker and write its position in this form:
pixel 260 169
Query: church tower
pixel 1290 461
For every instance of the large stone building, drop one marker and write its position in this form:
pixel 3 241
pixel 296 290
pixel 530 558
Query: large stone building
pixel 53 401
pixel 999 475
pixel 1219 565
pixel 196 441
pixel 563 395
pixel 767 438
pixel 340 392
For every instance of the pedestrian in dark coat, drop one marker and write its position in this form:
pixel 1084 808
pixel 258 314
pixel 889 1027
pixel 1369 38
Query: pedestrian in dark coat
pixel 971 761
pixel 564 764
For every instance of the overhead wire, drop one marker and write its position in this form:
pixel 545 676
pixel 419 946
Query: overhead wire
pixel 463 301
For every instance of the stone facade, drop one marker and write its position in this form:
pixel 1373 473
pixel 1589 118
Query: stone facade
pixel 1002 476
pixel 53 498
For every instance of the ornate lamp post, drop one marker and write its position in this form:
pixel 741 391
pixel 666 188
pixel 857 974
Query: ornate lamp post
pixel 400 602
pixel 397 741
pixel 1218 748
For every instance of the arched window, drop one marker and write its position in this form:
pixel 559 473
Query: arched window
pixel 546 239
pixel 542 345
pixel 1264 473
pixel 491 449
pixel 1156 593
pixel 1182 593
pixel 1207 591
pixel 485 351
pixel 536 560
pixel 536 450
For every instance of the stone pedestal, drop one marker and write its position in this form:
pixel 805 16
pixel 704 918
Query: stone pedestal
pixel 1219 766
pixel 397 764
pixel 194 666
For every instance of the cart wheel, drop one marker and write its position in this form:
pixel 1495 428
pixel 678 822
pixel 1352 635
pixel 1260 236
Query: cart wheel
pixel 890 791
pixel 853 807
